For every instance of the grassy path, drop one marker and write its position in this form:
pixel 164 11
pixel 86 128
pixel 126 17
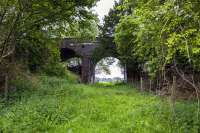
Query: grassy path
pixel 95 109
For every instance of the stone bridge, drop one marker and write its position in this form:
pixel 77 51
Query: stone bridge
pixel 70 49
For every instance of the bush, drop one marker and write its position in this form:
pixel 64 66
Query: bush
pixel 119 83
pixel 54 67
pixel 53 81
pixel 24 89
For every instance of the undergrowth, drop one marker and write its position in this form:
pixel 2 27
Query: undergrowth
pixel 53 107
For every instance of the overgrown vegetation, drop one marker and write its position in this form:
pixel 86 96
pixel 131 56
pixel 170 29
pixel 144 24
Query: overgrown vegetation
pixel 165 35
pixel 30 32
pixel 51 107
pixel 42 96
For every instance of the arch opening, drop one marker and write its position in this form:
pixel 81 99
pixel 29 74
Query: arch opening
pixel 67 53
pixel 109 69
pixel 74 65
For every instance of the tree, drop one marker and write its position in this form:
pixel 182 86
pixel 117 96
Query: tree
pixel 167 32
pixel 125 39
pixel 21 17
pixel 27 23
pixel 160 30
pixel 102 67
pixel 106 35
pixel 106 38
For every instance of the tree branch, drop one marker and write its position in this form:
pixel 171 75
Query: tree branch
pixel 193 14
pixel 185 43
pixel 164 27
pixel 8 53
pixel 9 33
pixel 3 14
pixel 183 77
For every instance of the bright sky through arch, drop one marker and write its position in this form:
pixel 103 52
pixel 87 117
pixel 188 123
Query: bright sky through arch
pixel 114 70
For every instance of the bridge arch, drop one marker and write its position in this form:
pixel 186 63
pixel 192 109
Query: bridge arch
pixel 67 53
pixel 75 65
pixel 70 48
pixel 109 62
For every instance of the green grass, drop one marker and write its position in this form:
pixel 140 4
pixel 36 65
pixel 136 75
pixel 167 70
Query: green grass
pixel 109 84
pixel 72 108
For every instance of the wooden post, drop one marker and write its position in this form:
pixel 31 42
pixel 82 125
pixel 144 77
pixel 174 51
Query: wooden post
pixel 132 82
pixel 141 87
pixel 157 87
pixel 150 89
pixel 135 82
pixel 47 83
pixel 60 81
pixel 6 87
pixel 125 74
pixel 173 96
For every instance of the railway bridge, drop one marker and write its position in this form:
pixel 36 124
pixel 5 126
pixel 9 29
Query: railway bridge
pixel 69 49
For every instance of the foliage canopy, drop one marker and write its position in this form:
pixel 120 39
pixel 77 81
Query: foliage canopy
pixel 20 19
pixel 158 30
pixel 30 28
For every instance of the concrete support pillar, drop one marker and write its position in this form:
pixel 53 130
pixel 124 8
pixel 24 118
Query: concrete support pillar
pixel 92 72
pixel 85 69
pixel 125 74
pixel 85 74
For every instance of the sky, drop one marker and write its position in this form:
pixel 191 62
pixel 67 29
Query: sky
pixel 114 70
pixel 102 8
